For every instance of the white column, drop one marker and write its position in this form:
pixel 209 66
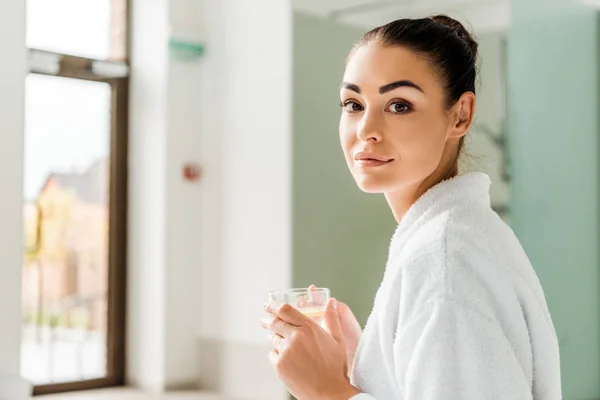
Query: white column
pixel 147 196
pixel 12 82
pixel 163 227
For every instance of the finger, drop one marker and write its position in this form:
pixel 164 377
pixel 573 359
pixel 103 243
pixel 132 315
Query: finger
pixel 332 320
pixel 288 313
pixel 274 357
pixel 276 341
pixel 315 297
pixel 277 325
pixel 348 321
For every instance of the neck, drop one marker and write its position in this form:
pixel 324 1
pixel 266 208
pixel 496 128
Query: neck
pixel 401 200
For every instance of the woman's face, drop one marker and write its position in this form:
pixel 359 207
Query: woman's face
pixel 395 128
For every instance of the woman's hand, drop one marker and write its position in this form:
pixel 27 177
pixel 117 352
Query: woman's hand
pixel 350 329
pixel 310 361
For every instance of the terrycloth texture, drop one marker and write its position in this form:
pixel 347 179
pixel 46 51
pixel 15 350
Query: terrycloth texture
pixel 460 313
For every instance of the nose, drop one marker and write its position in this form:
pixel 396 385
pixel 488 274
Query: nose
pixel 369 128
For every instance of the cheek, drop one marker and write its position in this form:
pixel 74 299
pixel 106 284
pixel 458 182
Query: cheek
pixel 420 143
pixel 346 136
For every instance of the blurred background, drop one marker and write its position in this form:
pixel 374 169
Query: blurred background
pixel 166 163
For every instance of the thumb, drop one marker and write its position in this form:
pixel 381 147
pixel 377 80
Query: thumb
pixel 332 320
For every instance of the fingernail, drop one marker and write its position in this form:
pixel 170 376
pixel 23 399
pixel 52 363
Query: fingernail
pixel 335 304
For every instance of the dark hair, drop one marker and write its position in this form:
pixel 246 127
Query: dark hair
pixel 443 41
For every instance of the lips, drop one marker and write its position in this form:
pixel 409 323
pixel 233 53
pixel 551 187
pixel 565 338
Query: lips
pixel 371 159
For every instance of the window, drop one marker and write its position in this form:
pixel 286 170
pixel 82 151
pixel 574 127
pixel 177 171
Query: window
pixel 74 211
pixel 91 28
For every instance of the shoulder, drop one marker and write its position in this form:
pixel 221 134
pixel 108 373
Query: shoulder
pixel 422 258
pixel 454 256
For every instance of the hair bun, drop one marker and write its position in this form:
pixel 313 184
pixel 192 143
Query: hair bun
pixel 459 29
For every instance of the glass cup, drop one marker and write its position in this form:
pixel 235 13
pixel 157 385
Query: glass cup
pixel 309 301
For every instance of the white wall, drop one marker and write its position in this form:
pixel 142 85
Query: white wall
pixel 245 204
pixel 12 73
pixel 12 83
pixel 183 260
pixel 253 69
pixel 203 255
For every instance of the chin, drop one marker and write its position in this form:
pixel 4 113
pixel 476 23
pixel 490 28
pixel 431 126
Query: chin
pixel 373 184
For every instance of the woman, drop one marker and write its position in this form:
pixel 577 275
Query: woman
pixel 460 313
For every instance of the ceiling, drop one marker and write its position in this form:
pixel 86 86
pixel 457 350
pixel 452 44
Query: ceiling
pixel 482 15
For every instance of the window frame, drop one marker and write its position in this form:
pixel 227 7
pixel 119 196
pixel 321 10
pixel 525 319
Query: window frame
pixel 116 74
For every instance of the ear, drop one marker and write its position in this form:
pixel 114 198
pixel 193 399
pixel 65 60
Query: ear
pixel 463 113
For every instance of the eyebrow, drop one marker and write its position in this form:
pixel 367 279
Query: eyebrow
pixel 385 88
pixel 351 86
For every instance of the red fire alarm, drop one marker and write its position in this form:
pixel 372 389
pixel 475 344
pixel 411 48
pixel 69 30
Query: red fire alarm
pixel 192 172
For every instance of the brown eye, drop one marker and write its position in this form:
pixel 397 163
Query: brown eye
pixel 352 106
pixel 399 108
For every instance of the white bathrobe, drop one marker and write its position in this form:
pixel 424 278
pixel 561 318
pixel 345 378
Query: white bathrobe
pixel 460 313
